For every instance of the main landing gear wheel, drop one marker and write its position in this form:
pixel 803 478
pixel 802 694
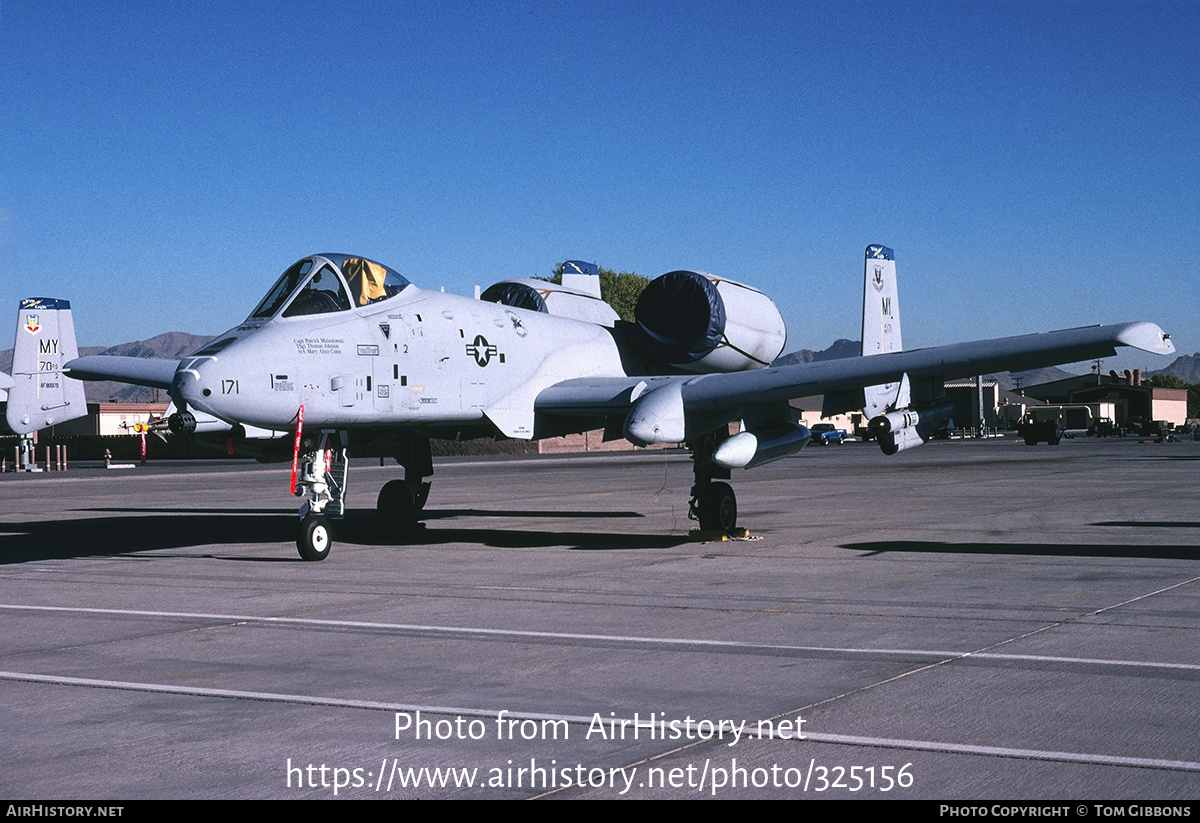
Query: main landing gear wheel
pixel 398 505
pixel 717 508
pixel 315 540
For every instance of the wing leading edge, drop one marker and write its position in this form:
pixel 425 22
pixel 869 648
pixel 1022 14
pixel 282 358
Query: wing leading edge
pixel 705 398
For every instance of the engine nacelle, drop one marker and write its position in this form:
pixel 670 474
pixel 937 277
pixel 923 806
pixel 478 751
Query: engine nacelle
pixel 748 449
pixel 908 428
pixel 550 298
pixel 703 323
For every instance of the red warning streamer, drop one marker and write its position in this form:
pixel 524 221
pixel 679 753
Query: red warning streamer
pixel 296 448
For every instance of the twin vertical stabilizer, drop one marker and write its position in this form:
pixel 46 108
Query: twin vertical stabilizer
pixel 41 394
pixel 881 324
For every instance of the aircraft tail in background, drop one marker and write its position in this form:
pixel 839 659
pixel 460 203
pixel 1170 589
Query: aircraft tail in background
pixel 881 325
pixel 41 394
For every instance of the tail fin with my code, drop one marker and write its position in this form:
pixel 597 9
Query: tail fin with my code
pixel 881 324
pixel 41 394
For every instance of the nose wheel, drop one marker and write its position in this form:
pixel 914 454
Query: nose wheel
pixel 320 478
pixel 315 539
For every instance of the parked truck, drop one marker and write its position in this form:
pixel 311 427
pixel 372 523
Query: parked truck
pixel 825 433
pixel 1043 425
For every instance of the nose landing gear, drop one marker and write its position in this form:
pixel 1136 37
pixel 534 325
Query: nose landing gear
pixel 315 540
pixel 321 479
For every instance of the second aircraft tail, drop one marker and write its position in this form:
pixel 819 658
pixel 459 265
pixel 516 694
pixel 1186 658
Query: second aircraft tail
pixel 41 394
pixel 881 324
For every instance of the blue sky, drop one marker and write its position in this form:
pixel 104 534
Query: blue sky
pixel 1035 165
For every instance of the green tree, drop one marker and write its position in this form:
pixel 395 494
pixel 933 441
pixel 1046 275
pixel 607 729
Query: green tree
pixel 620 290
pixel 1168 381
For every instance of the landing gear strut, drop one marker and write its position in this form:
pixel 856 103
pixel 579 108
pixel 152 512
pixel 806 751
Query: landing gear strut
pixel 401 501
pixel 713 504
pixel 321 479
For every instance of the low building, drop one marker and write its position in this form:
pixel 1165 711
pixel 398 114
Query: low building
pixel 1127 393
pixel 102 419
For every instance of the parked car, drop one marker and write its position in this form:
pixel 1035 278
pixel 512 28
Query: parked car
pixel 825 433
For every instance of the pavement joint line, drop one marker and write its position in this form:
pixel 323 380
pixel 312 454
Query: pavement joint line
pixel 943 656
pixel 1001 751
pixel 816 737
pixel 275 697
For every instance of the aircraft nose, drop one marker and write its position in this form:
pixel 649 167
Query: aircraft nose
pixel 189 385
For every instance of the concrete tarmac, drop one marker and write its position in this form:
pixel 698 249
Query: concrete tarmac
pixel 965 621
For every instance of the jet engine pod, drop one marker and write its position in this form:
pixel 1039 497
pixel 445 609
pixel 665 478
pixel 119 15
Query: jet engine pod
pixel 702 323
pixel 516 293
pixel 551 298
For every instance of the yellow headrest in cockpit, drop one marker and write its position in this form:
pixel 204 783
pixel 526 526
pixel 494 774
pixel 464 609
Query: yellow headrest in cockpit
pixel 365 278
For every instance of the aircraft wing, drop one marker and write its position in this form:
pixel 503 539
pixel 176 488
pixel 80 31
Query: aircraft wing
pixel 1030 351
pixel 140 371
pixel 712 396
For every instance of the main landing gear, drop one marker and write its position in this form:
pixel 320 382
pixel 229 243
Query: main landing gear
pixel 713 503
pixel 322 469
pixel 401 501
pixel 322 466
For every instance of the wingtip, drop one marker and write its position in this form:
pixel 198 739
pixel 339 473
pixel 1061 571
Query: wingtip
pixel 1147 337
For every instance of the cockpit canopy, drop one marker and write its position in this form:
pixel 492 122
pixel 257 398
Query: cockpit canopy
pixel 327 283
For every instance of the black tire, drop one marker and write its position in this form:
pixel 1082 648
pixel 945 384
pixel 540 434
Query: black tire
pixel 396 509
pixel 315 539
pixel 1030 441
pixel 717 508
pixel 1054 440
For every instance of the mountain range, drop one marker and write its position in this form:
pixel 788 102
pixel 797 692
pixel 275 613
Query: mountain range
pixel 173 345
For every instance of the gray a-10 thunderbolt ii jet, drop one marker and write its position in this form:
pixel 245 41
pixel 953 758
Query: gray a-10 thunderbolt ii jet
pixel 343 352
